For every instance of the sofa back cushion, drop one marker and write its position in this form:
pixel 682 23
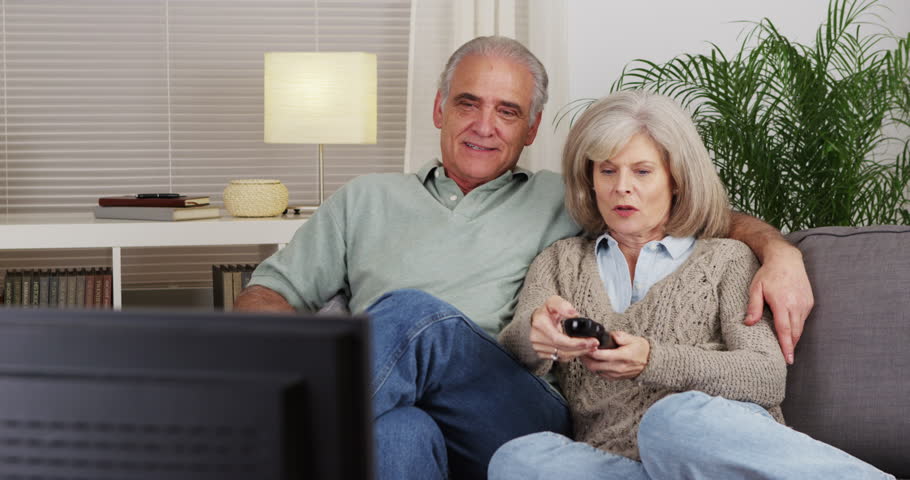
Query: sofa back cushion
pixel 850 385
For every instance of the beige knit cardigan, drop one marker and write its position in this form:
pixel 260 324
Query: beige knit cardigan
pixel 693 319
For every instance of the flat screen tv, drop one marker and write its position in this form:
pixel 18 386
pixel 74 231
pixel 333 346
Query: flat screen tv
pixel 91 394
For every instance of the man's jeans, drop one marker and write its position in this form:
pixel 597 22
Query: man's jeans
pixel 445 393
pixel 687 435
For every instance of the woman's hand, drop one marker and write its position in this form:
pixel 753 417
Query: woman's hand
pixel 627 361
pixel 547 336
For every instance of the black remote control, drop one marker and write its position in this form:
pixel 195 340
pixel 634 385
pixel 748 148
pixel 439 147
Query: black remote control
pixel 585 327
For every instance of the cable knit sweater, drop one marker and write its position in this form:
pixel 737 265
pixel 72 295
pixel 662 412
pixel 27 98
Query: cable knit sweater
pixel 693 319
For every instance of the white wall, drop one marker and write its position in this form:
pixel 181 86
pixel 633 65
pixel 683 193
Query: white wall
pixel 605 35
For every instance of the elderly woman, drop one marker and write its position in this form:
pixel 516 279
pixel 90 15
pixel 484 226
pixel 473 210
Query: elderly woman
pixel 652 270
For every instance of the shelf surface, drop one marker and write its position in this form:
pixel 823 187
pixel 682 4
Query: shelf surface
pixel 83 230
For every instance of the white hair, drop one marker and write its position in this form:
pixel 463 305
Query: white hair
pixel 502 47
pixel 700 206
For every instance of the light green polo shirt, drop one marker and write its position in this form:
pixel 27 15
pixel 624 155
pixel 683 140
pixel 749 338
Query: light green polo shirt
pixel 382 232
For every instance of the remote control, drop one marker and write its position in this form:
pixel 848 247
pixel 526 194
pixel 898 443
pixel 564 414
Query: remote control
pixel 585 327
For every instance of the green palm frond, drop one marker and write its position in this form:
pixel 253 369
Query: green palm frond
pixel 796 131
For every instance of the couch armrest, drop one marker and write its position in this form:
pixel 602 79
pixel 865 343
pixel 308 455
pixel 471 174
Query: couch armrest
pixel 850 385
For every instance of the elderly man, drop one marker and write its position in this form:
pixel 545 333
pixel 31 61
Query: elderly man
pixel 437 259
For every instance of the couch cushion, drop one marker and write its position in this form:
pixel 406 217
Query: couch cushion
pixel 850 385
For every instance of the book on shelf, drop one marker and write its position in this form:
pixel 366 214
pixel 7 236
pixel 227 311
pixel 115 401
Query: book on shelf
pixel 8 287
pixel 71 288
pixel 17 288
pixel 43 288
pixel 227 283
pixel 167 214
pixel 107 287
pixel 36 291
pixel 99 289
pixel 134 201
pixel 217 287
pixel 26 289
pixel 61 288
pixel 236 275
pixel 89 289
pixel 80 288
pixel 52 289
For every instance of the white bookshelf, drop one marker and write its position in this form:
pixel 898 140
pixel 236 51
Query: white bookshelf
pixel 53 231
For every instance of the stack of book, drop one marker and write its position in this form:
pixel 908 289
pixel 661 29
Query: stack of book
pixel 61 288
pixel 227 282
pixel 162 207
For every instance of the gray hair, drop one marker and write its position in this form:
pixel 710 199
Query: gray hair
pixel 700 206
pixel 502 47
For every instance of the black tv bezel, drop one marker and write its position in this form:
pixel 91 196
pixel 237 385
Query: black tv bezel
pixel 63 343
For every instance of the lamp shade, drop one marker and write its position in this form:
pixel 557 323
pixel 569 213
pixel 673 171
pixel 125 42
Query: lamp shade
pixel 320 97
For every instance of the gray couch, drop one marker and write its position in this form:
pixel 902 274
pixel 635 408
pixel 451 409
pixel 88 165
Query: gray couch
pixel 850 385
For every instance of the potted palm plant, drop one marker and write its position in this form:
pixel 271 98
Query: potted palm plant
pixel 802 136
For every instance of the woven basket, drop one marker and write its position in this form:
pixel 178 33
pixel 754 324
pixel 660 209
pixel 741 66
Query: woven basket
pixel 255 198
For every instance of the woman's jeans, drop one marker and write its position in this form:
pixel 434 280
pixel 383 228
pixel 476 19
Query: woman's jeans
pixel 445 394
pixel 682 436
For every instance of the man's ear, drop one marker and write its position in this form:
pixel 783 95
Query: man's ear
pixel 437 110
pixel 532 132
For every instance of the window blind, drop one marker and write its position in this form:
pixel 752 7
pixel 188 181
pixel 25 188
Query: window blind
pixel 113 97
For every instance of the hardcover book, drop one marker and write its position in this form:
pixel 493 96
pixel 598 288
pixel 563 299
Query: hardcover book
pixel 218 287
pixel 167 214
pixel 99 289
pixel 44 286
pixel 80 287
pixel 26 288
pixel 133 201
pixel 71 288
pixel 36 290
pixel 61 288
pixel 89 290
pixel 52 289
pixel 17 288
pixel 236 283
pixel 8 287
pixel 107 288
pixel 227 280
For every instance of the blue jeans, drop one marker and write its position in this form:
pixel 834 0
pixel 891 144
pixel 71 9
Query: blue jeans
pixel 445 394
pixel 686 435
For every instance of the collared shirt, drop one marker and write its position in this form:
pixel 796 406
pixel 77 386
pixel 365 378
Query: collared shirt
pixel 383 232
pixel 656 260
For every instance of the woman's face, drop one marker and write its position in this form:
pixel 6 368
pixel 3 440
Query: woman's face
pixel 634 190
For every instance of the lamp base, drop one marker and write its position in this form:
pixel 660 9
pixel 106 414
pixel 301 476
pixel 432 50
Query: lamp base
pixel 301 209
pixel 309 209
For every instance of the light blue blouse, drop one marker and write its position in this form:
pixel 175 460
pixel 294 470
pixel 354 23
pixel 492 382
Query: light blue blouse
pixel 657 259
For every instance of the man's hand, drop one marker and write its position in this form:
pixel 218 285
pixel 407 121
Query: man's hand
pixel 547 336
pixel 782 283
pixel 627 361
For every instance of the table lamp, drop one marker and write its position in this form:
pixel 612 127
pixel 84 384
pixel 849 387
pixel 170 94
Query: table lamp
pixel 320 97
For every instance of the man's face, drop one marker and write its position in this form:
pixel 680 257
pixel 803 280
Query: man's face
pixel 484 121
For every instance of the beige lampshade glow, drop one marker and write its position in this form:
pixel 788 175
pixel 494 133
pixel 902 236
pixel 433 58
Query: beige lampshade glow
pixel 320 97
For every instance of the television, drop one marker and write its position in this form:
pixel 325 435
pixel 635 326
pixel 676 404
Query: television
pixel 130 395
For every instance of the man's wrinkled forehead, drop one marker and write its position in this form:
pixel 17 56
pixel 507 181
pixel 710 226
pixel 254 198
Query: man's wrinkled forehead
pixel 465 87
